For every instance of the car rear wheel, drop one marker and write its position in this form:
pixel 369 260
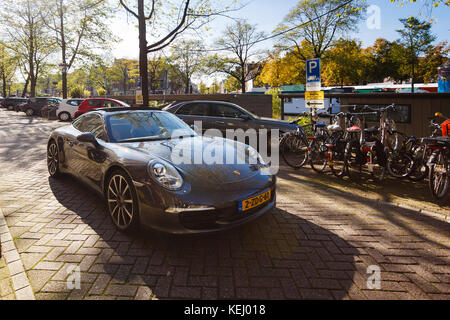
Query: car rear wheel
pixel 64 116
pixel 53 160
pixel 29 112
pixel 122 202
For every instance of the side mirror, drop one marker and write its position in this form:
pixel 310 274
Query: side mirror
pixel 89 138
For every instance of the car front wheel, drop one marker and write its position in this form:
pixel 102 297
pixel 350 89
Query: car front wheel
pixel 122 201
pixel 64 116
pixel 53 160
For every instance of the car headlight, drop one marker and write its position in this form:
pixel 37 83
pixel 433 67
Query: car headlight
pixel 165 174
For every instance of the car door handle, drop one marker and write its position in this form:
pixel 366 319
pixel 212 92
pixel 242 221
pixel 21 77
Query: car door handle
pixel 220 122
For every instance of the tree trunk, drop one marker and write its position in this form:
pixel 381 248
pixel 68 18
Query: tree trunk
pixel 143 60
pixel 63 51
pixel 4 84
pixel 243 86
pixel 412 77
pixel 187 85
pixel 33 83
pixel 25 88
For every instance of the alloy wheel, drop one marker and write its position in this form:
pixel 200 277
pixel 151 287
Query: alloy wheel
pixel 64 116
pixel 120 202
pixel 52 159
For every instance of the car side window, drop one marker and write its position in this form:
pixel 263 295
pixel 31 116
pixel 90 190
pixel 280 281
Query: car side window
pixel 225 111
pixel 92 123
pixel 75 103
pixel 194 109
pixel 111 104
pixel 95 103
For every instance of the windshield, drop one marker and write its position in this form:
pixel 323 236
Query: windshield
pixel 146 125
pixel 246 111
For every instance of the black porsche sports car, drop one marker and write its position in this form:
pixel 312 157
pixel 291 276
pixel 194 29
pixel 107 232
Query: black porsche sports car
pixel 145 163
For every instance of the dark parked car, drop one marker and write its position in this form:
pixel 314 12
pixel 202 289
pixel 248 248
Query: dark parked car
pixel 34 105
pixel 224 115
pixel 11 102
pixel 127 155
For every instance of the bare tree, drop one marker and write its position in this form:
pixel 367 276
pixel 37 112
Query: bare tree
pixel 187 60
pixel 239 41
pixel 78 25
pixel 174 17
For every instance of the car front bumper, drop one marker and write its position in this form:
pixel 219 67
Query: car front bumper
pixel 210 212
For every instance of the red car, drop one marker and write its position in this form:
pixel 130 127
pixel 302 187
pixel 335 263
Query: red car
pixel 96 103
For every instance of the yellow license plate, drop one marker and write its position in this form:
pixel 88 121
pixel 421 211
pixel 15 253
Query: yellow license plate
pixel 255 201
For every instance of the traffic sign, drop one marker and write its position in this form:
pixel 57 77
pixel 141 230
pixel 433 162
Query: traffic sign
pixel 314 95
pixel 316 104
pixel 313 71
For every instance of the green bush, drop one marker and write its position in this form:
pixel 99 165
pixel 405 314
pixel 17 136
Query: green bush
pixel 76 92
pixel 302 121
pixel 101 92
pixel 276 102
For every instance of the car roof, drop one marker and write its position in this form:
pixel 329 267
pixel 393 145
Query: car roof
pixel 182 103
pixel 205 101
pixel 117 110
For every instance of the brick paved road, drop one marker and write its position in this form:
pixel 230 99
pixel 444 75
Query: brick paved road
pixel 316 244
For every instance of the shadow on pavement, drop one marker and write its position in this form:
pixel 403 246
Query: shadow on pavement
pixel 387 190
pixel 278 256
pixel 407 221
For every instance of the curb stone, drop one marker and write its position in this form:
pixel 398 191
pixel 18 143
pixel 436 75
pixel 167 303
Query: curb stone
pixel 20 282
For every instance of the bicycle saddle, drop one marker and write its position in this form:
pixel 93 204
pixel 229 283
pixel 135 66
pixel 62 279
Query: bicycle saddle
pixel 321 125
pixel 354 129
pixel 371 130
pixel 334 127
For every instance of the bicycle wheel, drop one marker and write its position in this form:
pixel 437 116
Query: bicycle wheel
pixel 318 155
pixel 400 164
pixel 420 169
pixel 439 177
pixel 378 173
pixel 419 172
pixel 294 150
pixel 338 164
pixel 351 160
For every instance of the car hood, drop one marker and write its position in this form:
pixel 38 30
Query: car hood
pixel 278 124
pixel 216 167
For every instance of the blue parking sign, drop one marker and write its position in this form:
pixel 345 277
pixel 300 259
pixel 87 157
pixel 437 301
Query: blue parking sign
pixel 313 70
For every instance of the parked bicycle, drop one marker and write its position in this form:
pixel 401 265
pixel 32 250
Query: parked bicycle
pixel 294 146
pixel 364 148
pixel 439 166
pixel 419 151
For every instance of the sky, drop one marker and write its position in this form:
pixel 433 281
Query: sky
pixel 267 14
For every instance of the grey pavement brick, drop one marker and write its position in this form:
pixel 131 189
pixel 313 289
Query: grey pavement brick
pixel 317 244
